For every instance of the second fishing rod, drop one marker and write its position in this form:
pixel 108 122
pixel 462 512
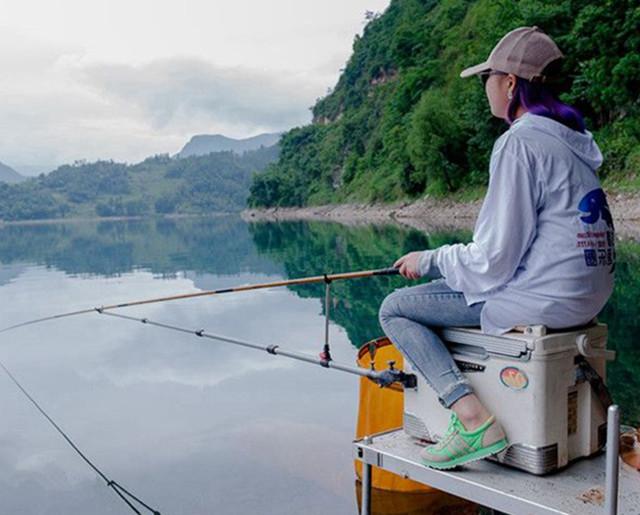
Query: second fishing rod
pixel 384 378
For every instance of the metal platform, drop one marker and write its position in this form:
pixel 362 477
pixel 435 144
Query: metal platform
pixel 578 489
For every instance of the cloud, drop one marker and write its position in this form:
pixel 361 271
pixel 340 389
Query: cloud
pixel 109 81
pixel 186 92
pixel 88 110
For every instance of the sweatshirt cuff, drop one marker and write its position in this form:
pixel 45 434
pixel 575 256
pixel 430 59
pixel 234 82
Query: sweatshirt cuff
pixel 428 266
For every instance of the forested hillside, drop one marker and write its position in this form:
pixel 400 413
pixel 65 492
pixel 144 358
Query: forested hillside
pixel 400 123
pixel 217 182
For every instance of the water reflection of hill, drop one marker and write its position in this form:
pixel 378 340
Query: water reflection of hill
pixel 162 246
pixel 9 273
pixel 622 316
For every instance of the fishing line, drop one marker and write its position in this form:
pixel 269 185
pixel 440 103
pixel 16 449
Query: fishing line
pixel 121 491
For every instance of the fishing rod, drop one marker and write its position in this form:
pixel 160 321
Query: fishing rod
pixel 387 377
pixel 325 278
pixel 384 378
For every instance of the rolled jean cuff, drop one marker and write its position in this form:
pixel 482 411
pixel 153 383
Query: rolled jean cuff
pixel 458 391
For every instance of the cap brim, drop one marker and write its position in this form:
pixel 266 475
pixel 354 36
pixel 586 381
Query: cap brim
pixel 475 70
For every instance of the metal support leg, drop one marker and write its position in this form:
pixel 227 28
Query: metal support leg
pixel 365 499
pixel 327 314
pixel 612 466
pixel 365 506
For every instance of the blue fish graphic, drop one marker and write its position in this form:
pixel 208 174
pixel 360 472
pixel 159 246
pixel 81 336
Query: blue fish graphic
pixel 595 204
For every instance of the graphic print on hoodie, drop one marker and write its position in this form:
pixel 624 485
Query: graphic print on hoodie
pixel 599 247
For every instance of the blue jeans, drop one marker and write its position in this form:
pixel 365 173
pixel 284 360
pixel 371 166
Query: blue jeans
pixel 409 316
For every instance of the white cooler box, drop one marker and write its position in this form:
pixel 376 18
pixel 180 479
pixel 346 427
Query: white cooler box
pixel 531 382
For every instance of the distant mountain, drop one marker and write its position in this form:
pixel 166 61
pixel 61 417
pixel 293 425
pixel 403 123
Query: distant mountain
pixel 8 174
pixel 203 144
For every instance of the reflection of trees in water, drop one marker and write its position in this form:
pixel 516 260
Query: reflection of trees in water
pixel 227 245
pixel 622 315
pixel 220 245
pixel 312 248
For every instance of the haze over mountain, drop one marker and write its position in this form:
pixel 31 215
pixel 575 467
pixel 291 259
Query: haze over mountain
pixel 8 174
pixel 203 144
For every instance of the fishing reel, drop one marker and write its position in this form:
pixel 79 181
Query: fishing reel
pixel 392 375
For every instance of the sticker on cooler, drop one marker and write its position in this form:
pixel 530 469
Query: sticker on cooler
pixel 514 378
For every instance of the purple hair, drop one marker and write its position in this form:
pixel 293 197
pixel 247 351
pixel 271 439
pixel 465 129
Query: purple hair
pixel 538 98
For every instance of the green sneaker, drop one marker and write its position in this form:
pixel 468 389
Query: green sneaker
pixel 460 446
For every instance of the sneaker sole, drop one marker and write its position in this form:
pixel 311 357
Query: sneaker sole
pixel 485 452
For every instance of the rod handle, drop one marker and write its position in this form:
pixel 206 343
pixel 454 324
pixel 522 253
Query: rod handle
pixel 387 271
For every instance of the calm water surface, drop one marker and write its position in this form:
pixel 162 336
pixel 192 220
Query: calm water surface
pixel 197 426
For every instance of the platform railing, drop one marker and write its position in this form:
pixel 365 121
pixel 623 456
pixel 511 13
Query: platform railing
pixel 612 464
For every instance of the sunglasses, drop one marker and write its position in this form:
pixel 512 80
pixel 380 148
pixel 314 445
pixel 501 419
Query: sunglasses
pixel 484 76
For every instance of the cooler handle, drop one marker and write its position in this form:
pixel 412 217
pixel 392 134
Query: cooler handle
pixel 585 348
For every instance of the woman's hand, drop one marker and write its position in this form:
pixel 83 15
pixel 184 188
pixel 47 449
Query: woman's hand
pixel 418 264
pixel 409 265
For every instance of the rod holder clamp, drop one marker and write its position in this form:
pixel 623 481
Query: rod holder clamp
pixel 409 380
pixel 272 349
pixel 325 355
pixel 199 332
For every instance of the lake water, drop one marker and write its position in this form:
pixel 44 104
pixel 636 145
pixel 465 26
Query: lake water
pixel 194 426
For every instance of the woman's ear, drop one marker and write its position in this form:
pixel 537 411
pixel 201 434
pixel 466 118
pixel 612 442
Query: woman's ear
pixel 511 85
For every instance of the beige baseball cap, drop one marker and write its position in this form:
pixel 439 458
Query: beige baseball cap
pixel 525 52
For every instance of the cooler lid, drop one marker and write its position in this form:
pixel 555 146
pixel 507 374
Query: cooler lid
pixel 536 340
pixel 562 340
pixel 514 345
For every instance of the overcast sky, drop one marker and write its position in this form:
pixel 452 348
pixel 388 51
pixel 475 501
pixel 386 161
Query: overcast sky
pixel 125 79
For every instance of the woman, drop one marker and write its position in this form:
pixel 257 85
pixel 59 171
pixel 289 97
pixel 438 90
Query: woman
pixel 542 249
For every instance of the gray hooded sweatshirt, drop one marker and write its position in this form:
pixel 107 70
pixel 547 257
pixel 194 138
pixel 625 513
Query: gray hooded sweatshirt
pixel 543 245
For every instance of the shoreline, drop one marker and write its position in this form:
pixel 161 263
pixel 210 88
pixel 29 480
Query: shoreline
pixel 429 214
pixel 80 219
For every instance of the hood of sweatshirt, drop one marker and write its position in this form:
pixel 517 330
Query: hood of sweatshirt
pixel 581 144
